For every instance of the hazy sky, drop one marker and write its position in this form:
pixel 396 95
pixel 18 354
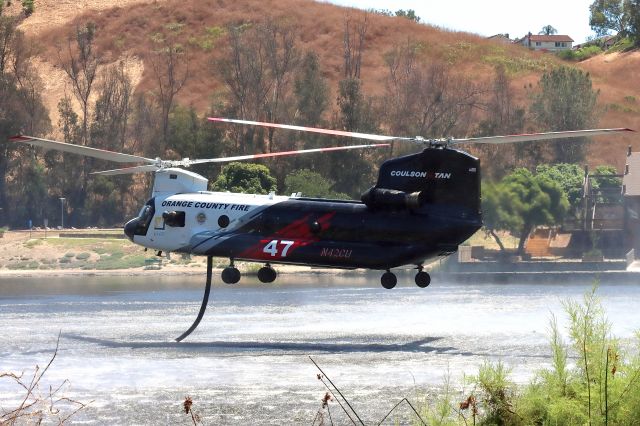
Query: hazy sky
pixel 489 17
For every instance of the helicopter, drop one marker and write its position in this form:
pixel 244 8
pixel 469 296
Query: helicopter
pixel 422 207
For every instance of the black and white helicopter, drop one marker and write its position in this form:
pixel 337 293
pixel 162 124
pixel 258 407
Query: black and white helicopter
pixel 422 207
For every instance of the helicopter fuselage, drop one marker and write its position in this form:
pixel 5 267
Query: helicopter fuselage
pixel 318 232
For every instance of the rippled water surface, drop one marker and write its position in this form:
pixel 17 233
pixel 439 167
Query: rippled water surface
pixel 248 362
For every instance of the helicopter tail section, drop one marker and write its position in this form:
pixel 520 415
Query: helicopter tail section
pixel 435 176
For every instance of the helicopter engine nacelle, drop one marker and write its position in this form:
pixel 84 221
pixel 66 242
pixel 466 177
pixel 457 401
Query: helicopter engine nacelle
pixel 383 198
pixel 176 181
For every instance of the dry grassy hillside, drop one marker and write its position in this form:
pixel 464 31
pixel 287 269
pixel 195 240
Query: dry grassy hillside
pixel 617 75
pixel 125 29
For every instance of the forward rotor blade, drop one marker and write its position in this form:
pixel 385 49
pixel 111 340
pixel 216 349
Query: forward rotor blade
pixel 283 153
pixel 128 170
pixel 81 150
pixel 311 129
pixel 540 136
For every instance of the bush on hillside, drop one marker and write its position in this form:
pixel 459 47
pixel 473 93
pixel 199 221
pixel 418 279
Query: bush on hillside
pixel 580 54
pixel 28 7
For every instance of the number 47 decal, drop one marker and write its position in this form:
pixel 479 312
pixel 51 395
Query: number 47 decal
pixel 272 247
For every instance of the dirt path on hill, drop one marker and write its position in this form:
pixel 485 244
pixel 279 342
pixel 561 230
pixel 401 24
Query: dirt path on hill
pixel 53 13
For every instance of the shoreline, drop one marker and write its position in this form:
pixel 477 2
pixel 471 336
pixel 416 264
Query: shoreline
pixel 171 270
pixel 72 252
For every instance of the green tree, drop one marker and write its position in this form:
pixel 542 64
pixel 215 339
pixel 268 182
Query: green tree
pixel 21 110
pixel 548 30
pixel 311 91
pixel 191 136
pixel 104 206
pixel 32 178
pixel 570 177
pixel 245 177
pixel 356 113
pixel 632 12
pixel 565 100
pixel 494 215
pixel 66 170
pixel 607 16
pixel 311 184
pixel 607 184
pixel 350 101
pixel 524 201
pixel 409 14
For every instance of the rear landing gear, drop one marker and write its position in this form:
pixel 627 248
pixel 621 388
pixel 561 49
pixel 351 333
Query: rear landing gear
pixel 230 274
pixel 388 280
pixel 267 274
pixel 422 279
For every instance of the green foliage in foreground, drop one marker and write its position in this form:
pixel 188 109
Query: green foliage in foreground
pixel 601 387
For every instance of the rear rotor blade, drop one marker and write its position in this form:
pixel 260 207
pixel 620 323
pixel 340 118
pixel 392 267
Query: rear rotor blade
pixel 128 170
pixel 283 153
pixel 311 129
pixel 81 150
pixel 540 136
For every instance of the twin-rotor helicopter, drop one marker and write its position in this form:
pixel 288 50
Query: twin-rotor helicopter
pixel 422 207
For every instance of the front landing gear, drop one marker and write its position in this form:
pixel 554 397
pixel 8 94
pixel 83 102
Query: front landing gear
pixel 205 300
pixel 230 274
pixel 388 280
pixel 267 274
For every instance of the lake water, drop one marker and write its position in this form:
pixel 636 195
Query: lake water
pixel 248 362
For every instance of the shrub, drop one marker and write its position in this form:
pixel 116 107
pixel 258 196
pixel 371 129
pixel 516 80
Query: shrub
pixel 602 387
pixel 579 54
pixel 28 7
pixel 592 379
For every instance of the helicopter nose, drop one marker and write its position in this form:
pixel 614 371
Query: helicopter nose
pixel 130 228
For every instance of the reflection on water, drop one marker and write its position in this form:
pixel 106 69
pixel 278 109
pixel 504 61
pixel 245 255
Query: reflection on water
pixel 248 360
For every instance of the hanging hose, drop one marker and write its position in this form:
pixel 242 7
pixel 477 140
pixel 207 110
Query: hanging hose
pixel 205 299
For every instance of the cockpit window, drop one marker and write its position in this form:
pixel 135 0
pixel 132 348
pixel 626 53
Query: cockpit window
pixel 145 216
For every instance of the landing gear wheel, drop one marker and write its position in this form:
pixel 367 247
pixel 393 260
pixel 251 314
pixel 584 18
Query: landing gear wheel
pixel 267 274
pixel 388 280
pixel 423 279
pixel 230 275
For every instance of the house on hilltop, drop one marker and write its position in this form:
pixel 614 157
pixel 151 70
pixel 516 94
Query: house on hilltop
pixel 501 38
pixel 605 42
pixel 552 42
